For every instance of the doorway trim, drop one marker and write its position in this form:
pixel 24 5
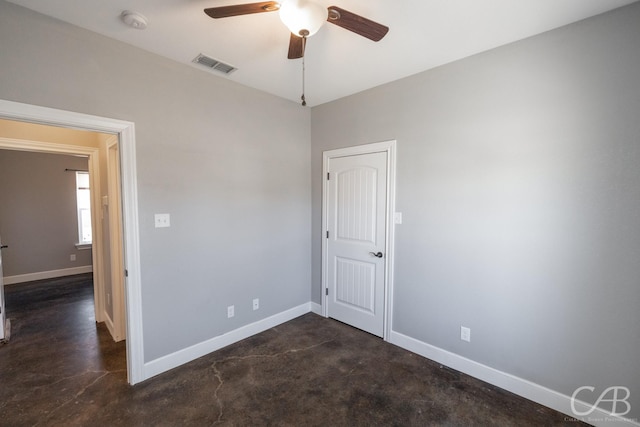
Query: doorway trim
pixel 126 132
pixel 390 148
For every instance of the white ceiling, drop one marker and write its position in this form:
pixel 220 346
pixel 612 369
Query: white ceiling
pixel 423 34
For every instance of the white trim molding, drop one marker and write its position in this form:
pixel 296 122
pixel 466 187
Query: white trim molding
pixel 316 308
pixel 126 132
pixel 51 274
pixel 109 324
pixel 180 357
pixel 516 385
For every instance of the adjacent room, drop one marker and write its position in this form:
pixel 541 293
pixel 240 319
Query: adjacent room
pixel 416 214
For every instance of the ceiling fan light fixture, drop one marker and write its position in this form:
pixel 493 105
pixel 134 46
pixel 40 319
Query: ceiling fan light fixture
pixel 303 17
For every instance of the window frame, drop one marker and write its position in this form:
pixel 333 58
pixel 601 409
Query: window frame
pixel 83 209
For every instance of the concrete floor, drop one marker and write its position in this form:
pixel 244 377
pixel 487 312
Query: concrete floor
pixel 60 369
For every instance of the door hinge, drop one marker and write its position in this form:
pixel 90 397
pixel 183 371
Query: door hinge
pixel 327 176
pixel 126 273
pixel 327 234
pixel 326 291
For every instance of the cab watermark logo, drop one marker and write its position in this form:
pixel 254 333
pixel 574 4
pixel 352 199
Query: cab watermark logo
pixel 617 396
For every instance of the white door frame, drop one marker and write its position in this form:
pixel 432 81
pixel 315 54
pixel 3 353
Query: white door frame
pixel 390 148
pixel 125 130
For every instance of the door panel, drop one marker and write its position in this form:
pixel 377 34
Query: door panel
pixel 355 284
pixel 356 221
pixel 356 196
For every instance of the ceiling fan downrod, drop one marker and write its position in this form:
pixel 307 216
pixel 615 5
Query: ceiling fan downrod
pixel 304 45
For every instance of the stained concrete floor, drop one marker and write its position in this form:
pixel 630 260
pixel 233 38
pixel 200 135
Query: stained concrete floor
pixel 60 369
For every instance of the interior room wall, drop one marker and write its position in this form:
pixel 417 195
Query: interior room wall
pixel 38 215
pixel 228 163
pixel 519 185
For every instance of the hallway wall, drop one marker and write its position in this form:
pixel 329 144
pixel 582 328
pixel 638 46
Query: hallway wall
pixel 38 216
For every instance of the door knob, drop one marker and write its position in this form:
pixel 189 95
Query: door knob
pixel 4 246
pixel 378 254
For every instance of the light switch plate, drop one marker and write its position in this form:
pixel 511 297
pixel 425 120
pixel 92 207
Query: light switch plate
pixel 465 333
pixel 162 220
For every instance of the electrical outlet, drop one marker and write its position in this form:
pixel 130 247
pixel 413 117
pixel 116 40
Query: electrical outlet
pixel 72 257
pixel 465 334
pixel 162 220
pixel 256 304
pixel 230 311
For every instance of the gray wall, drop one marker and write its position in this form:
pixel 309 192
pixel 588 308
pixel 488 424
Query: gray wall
pixel 229 163
pixel 38 216
pixel 519 183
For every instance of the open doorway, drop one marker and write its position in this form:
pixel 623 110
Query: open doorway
pixel 46 218
pixel 128 258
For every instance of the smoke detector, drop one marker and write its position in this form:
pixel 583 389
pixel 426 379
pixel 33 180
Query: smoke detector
pixel 134 19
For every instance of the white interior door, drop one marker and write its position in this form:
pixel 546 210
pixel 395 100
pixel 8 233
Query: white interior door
pixel 356 240
pixel 115 241
pixel 3 316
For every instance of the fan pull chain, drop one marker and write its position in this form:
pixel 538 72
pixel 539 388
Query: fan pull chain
pixel 304 45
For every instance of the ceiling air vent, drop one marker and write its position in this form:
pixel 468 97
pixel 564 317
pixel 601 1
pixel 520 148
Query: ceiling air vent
pixel 214 64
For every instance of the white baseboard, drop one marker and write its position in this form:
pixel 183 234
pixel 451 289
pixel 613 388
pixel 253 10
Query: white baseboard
pixel 51 274
pixel 316 308
pixel 109 324
pixel 188 354
pixel 516 385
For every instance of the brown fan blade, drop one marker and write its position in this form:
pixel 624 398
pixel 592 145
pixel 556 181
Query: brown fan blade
pixel 356 23
pixel 296 47
pixel 242 9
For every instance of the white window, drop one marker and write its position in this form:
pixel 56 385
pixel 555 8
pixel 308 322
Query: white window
pixel 83 196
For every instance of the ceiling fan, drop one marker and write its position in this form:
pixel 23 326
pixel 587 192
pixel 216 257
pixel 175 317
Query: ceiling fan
pixel 304 18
